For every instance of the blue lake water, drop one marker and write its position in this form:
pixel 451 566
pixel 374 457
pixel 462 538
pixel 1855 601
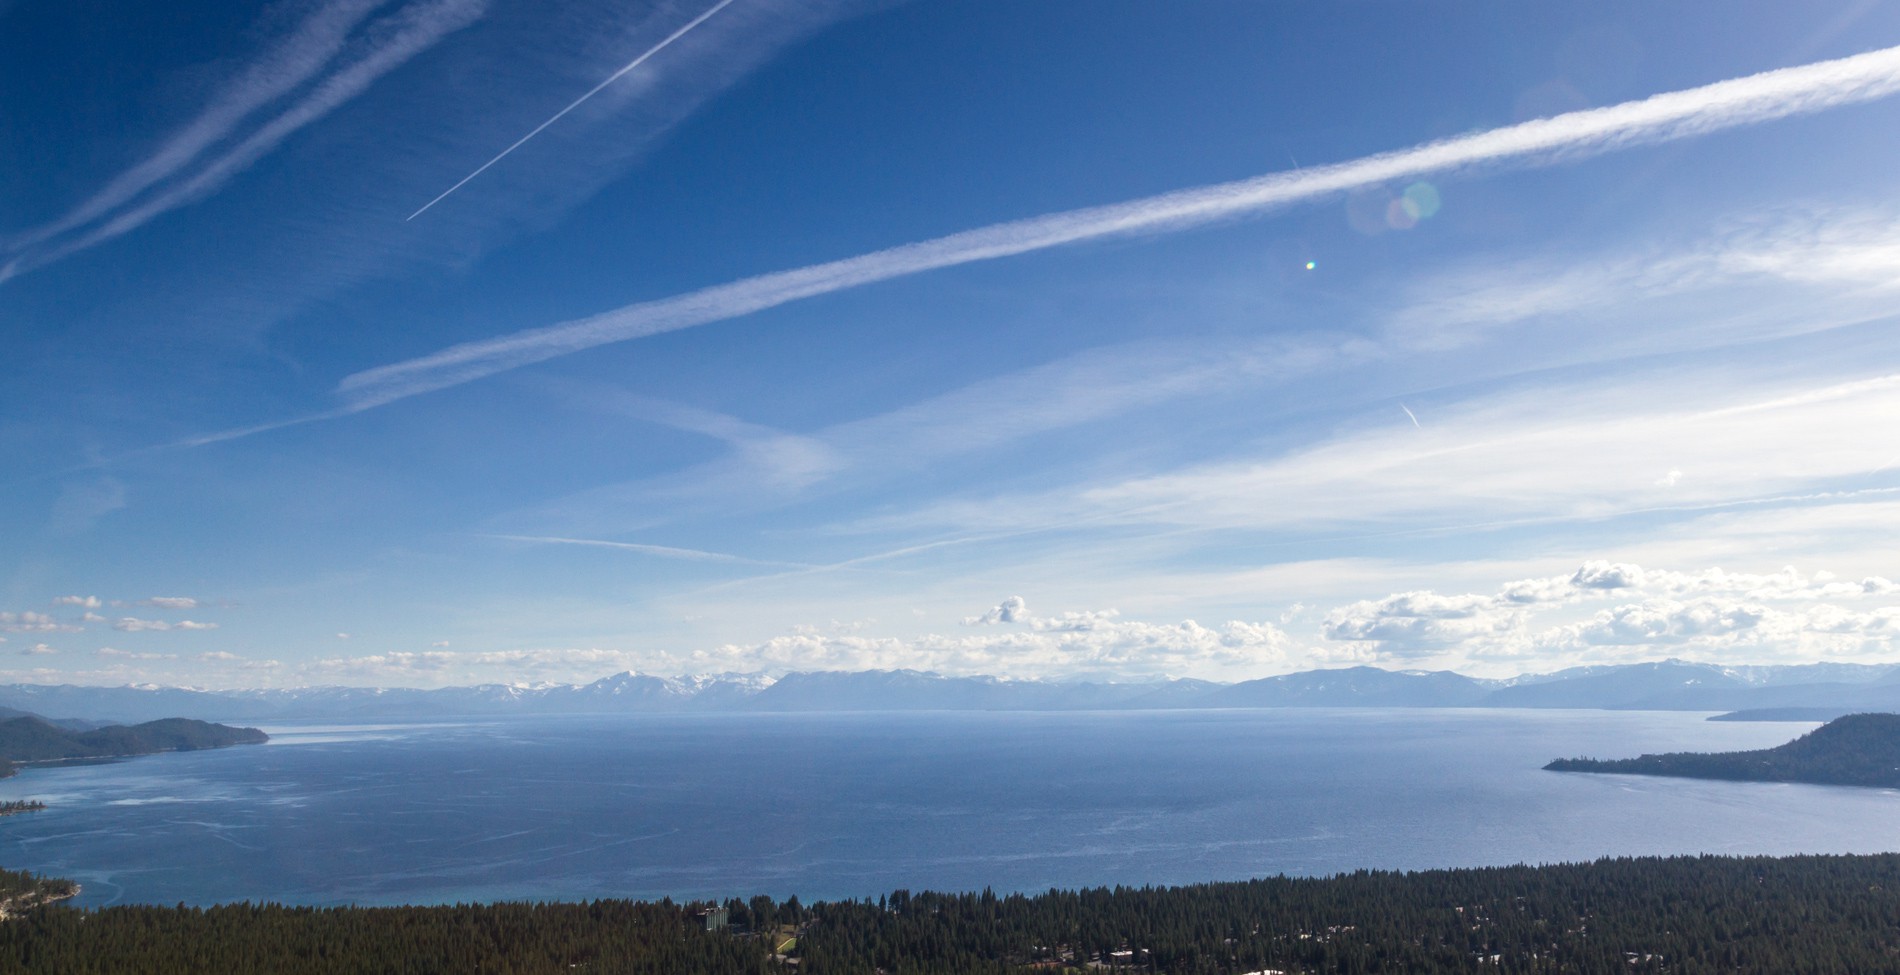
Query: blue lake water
pixel 828 806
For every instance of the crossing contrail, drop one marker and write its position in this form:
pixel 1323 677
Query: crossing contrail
pixel 576 103
pixel 1660 118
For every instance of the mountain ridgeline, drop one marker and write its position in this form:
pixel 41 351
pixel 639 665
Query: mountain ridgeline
pixel 1668 685
pixel 32 739
pixel 1638 687
pixel 1858 749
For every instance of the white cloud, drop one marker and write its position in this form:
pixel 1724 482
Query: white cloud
pixel 1558 453
pixel 1847 256
pixel 1091 643
pixel 218 656
pixel 89 602
pixel 30 622
pixel 170 602
pixel 117 654
pixel 288 64
pixel 1421 623
pixel 38 650
pixel 132 624
pixel 1011 610
pixel 1708 614
pixel 394 40
pixel 1682 114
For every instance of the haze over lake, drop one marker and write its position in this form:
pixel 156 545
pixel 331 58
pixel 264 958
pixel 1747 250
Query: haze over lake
pixel 828 806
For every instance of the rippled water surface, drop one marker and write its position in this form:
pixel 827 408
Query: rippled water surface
pixel 853 805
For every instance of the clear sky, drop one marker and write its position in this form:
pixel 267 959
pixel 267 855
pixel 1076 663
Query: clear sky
pixel 1038 338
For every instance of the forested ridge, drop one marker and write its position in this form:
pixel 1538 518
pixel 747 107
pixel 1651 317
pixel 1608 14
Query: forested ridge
pixel 33 739
pixel 1855 749
pixel 1811 914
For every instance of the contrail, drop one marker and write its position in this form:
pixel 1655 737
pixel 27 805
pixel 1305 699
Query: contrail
pixel 664 551
pixel 314 44
pixel 1414 416
pixel 616 76
pixel 1574 135
pixel 408 32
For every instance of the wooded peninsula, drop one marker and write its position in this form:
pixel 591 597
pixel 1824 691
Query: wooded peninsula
pixel 32 739
pixel 1688 915
pixel 1856 749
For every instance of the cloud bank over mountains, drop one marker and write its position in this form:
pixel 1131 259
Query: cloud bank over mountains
pixel 1602 613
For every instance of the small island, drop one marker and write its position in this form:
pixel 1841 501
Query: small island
pixel 34 741
pixel 1855 749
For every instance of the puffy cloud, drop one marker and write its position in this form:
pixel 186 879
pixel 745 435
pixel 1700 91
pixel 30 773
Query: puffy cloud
pixel 87 602
pixel 1666 621
pixel 1608 575
pixel 1094 644
pixel 218 656
pixel 30 622
pixel 1784 615
pixel 1011 610
pixel 1727 629
pixel 38 650
pixel 1089 643
pixel 170 602
pixel 132 624
pixel 1411 624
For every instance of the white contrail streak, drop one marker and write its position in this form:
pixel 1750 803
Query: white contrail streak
pixel 664 551
pixel 410 32
pixel 576 103
pixel 314 44
pixel 1660 118
pixel 1414 416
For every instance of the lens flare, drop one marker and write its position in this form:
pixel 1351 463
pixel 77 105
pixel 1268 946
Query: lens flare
pixel 1421 200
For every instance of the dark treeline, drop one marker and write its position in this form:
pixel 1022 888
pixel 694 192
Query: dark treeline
pixel 1816 914
pixel 33 739
pixel 20 890
pixel 1856 749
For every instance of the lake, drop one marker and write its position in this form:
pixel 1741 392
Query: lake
pixel 830 806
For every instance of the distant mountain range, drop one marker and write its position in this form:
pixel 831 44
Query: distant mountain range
pixel 1669 685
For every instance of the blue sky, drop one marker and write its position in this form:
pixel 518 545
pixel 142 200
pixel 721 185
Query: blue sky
pixel 1107 339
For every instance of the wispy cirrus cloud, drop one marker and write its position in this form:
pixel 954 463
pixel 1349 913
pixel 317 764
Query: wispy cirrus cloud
pixel 394 40
pixel 1573 451
pixel 286 66
pixel 118 654
pixel 661 551
pixel 170 602
pixel 1661 118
